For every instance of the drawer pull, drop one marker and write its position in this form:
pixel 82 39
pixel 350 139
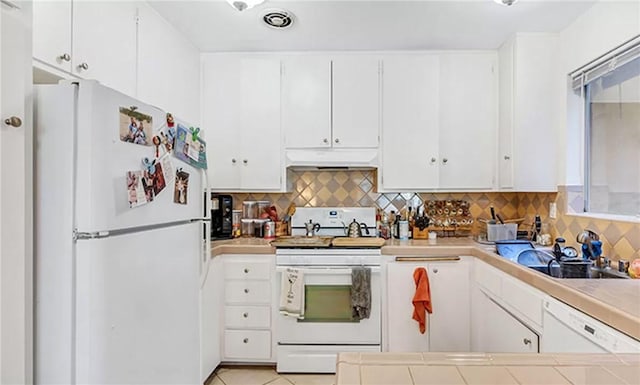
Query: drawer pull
pixel 526 341
pixel 246 340
pixel 246 271
pixel 427 259
pixel 435 271
pixel 246 291
pixel 245 315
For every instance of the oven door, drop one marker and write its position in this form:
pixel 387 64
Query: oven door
pixel 328 310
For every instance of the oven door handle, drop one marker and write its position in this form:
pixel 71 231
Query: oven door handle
pixel 324 270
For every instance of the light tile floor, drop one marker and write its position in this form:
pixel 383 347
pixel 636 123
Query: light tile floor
pixel 266 375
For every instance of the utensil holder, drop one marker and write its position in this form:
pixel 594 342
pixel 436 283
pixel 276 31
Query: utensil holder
pixel 501 232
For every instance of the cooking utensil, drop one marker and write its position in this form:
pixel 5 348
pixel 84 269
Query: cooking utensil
pixel 311 228
pixel 290 211
pixel 493 216
pixel 354 230
pixel 500 218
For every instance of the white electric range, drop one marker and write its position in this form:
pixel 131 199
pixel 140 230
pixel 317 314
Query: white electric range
pixel 311 345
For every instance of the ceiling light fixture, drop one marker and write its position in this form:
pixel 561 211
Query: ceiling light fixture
pixel 241 5
pixel 506 2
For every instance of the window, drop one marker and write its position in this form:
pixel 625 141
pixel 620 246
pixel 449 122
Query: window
pixel 611 92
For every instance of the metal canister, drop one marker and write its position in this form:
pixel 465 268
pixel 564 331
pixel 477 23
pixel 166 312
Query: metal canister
pixel 269 230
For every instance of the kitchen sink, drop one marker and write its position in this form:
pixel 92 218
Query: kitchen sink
pixel 596 273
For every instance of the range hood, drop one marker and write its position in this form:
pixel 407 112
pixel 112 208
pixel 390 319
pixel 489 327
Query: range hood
pixel 332 158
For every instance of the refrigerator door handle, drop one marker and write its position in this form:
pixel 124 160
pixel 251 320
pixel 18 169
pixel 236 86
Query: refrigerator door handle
pixel 78 235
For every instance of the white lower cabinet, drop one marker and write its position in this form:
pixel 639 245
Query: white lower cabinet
pixel 448 326
pixel 249 282
pixel 506 314
pixel 495 330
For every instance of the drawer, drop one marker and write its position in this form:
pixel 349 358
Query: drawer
pixel 247 344
pixel 247 269
pixel 255 292
pixel 247 317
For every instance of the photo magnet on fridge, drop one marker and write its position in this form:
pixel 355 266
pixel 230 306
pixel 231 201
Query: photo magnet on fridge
pixel 135 126
pixel 159 182
pixel 135 189
pixel 181 187
pixel 167 168
pixel 190 148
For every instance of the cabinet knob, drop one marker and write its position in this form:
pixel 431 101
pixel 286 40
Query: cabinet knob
pixel 507 157
pixel 65 57
pixel 526 341
pixel 245 161
pixel 325 140
pixel 337 140
pixel 433 160
pixel 444 160
pixel 246 271
pixel 13 121
pixel 84 66
pixel 246 291
pixel 246 340
pixel 233 160
pixel 435 271
pixel 245 315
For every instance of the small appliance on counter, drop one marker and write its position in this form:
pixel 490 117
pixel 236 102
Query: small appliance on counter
pixel 221 216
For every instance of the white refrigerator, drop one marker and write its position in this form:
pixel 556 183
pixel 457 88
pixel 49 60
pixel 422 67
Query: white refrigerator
pixel 116 288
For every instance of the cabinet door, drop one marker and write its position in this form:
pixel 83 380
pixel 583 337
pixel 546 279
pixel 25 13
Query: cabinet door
pixel 52 33
pixel 449 329
pixel 168 67
pixel 497 331
pixel 356 101
pixel 306 101
pixel 534 61
pixel 104 42
pixel 410 122
pixel 505 124
pixel 468 113
pixel 221 116
pixel 403 333
pixel 261 144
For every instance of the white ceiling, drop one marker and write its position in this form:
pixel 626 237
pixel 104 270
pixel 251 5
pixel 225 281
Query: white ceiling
pixel 213 25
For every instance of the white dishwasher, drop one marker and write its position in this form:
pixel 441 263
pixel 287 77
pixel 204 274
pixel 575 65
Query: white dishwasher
pixel 567 330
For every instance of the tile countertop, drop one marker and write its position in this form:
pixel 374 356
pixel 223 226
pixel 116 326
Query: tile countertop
pixel 480 368
pixel 615 302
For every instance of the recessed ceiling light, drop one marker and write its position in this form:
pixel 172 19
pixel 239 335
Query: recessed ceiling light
pixel 277 18
pixel 506 2
pixel 241 5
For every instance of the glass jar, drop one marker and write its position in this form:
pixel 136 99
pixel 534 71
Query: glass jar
pixel 249 210
pixel 236 223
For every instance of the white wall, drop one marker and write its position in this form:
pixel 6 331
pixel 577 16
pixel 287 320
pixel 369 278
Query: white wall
pixel 604 26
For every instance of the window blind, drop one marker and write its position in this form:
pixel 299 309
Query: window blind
pixel 619 56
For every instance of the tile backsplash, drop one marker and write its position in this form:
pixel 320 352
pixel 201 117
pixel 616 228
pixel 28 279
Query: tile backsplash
pixel 358 188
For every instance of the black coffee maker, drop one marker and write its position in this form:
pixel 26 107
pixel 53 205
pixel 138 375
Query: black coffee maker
pixel 221 216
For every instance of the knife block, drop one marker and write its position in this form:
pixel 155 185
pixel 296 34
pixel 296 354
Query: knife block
pixel 420 234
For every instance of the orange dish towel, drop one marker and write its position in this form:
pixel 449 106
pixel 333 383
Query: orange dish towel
pixel 422 298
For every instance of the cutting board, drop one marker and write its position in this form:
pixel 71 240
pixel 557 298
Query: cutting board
pixel 358 242
pixel 301 242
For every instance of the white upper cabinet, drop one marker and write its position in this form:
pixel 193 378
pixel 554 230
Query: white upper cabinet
pixel 330 102
pixel 89 40
pixel 241 113
pixel 306 101
pixel 468 120
pixel 168 67
pixel 104 43
pixel 527 113
pixel 439 121
pixel 356 101
pixel 410 122
pixel 52 33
